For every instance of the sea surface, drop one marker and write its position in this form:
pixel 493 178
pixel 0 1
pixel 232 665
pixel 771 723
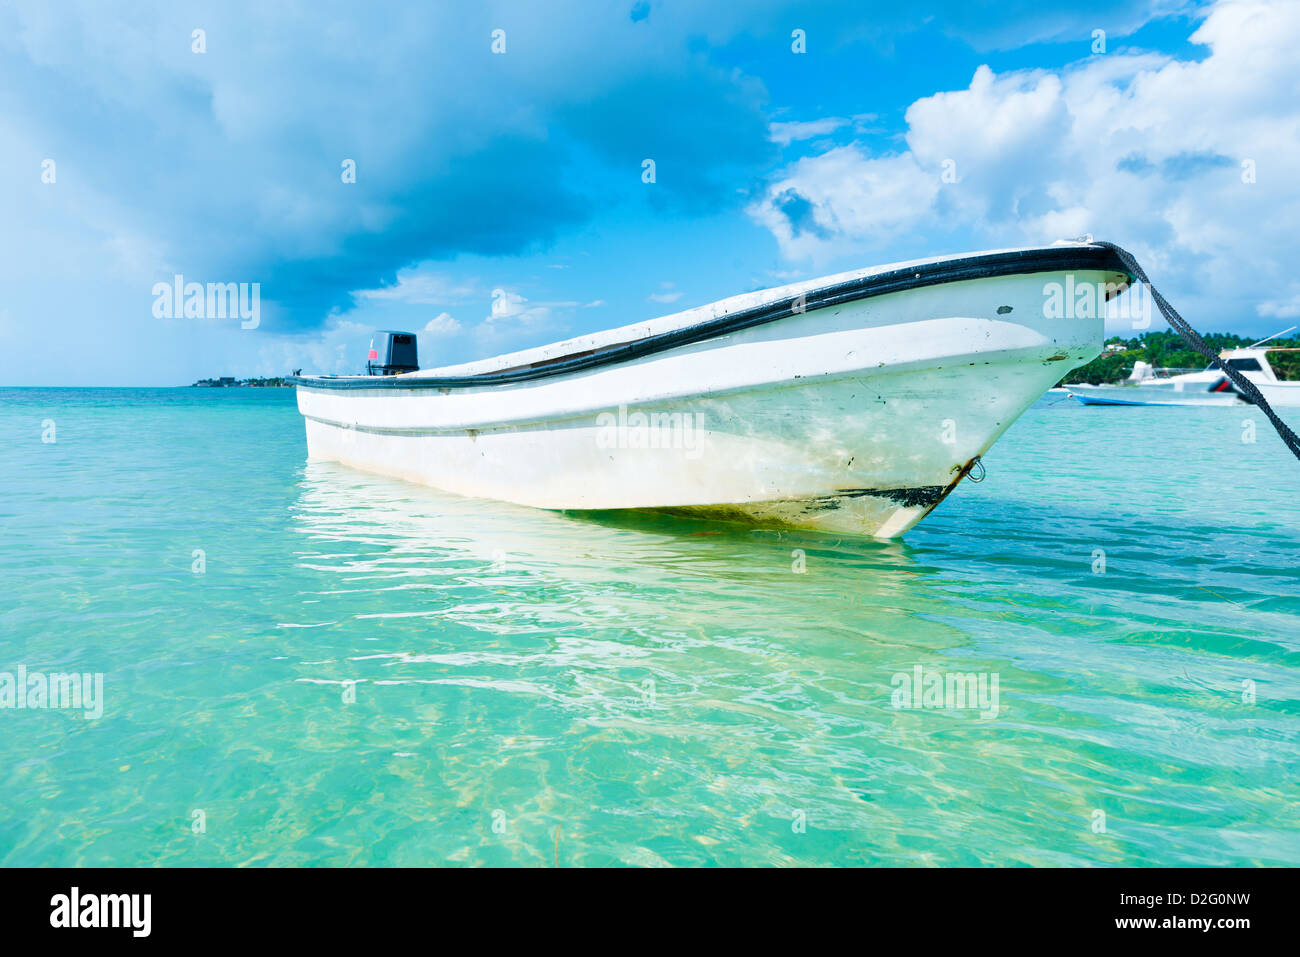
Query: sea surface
pixel 307 665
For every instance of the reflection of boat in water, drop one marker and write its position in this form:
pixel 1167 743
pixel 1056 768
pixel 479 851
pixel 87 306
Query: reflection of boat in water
pixel 1148 386
pixel 853 403
pixel 369 534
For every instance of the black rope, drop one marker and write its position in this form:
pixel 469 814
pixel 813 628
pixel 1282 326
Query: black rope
pixel 1190 336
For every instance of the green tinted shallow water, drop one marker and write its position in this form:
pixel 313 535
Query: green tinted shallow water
pixel 533 688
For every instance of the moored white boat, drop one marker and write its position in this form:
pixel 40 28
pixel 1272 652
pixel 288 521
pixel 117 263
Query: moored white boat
pixel 1144 387
pixel 853 403
pixel 1209 386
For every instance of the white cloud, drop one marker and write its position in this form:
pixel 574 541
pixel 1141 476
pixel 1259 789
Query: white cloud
pixel 1141 149
pixel 443 324
pixel 419 287
pixel 338 348
pixel 511 307
pixel 667 295
pixel 844 195
pixel 786 132
pixel 1281 309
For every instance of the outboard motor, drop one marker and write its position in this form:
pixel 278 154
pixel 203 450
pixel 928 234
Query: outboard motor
pixel 392 353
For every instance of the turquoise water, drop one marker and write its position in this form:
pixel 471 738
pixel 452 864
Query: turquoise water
pixel 537 689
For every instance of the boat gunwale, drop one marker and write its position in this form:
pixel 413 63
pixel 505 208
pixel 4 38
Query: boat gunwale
pixel 1090 258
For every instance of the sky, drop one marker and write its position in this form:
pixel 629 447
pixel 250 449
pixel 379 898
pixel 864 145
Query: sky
pixel 478 172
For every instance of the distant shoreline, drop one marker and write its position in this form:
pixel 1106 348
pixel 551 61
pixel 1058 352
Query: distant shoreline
pixel 230 382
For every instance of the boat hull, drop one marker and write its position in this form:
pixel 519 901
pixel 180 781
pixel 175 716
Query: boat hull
pixel 858 418
pixel 1151 395
pixel 1281 395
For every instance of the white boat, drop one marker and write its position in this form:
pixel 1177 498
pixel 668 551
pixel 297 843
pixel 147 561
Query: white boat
pixel 1207 387
pixel 1280 393
pixel 1276 391
pixel 1145 386
pixel 853 403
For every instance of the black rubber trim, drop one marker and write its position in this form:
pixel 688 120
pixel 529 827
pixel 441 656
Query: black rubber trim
pixel 990 265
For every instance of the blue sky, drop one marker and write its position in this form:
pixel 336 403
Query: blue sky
pixel 499 199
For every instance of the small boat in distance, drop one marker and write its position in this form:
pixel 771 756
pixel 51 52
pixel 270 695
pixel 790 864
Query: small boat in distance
pixel 852 404
pixel 1145 386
